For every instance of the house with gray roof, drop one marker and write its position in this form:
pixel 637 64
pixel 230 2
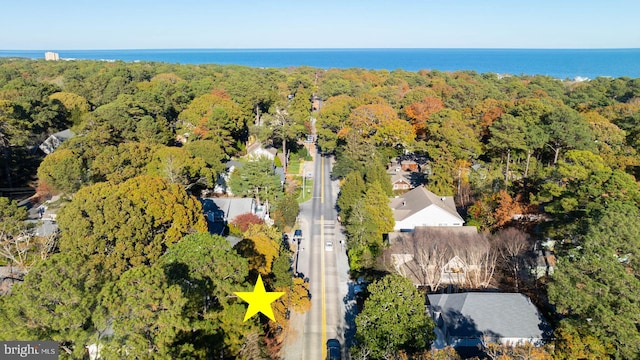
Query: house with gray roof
pixel 221 211
pixel 421 207
pixel 55 140
pixel 468 320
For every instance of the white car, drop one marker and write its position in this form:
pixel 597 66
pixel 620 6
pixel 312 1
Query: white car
pixel 328 246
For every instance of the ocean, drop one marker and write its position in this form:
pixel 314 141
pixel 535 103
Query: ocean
pixel 557 63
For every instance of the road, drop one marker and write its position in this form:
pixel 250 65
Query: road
pixel 327 271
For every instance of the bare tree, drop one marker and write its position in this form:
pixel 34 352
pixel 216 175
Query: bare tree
pixel 511 244
pixel 24 249
pixel 436 256
pixel 484 260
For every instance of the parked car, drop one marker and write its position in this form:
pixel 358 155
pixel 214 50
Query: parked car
pixel 333 350
pixel 328 246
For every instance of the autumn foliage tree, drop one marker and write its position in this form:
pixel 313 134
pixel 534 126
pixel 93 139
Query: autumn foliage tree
pixel 244 221
pixel 419 113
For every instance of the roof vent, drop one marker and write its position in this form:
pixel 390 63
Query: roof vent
pixel 442 198
pixel 404 203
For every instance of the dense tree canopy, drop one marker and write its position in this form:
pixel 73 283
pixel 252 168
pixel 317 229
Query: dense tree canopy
pixel 567 151
pixel 128 224
pixel 597 283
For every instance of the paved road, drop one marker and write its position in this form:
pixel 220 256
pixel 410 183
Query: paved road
pixel 327 271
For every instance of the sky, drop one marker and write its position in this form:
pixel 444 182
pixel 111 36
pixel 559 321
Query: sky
pixel 231 24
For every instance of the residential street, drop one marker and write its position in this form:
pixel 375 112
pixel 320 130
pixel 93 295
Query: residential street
pixel 327 271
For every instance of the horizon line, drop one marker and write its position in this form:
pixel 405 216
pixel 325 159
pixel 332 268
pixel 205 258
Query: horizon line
pixel 329 48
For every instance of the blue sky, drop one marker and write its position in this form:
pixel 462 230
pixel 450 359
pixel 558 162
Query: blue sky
pixel 141 24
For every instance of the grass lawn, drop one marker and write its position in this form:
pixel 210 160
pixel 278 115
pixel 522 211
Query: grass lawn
pixel 308 192
pixel 294 167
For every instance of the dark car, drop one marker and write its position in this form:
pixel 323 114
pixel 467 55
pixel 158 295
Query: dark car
pixel 333 350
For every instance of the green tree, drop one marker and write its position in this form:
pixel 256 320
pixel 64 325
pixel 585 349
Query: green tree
pixel 146 313
pixel 285 211
pixel 128 224
pixel 120 163
pixel 119 119
pixel 209 151
pixel 55 301
pixel 208 270
pixel 377 172
pixel 256 178
pixel 285 127
pixel 12 217
pixel 63 170
pixel 532 111
pixel 153 130
pixel 75 104
pixel 567 130
pixel 215 117
pixel 333 114
pixel 370 218
pixel 582 182
pixel 507 134
pixel 351 190
pixel 448 130
pixel 599 280
pixel 355 155
pixel 179 166
pixel 393 318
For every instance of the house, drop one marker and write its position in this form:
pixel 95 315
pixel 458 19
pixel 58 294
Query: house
pixel 221 211
pixel 409 165
pixel 436 257
pixel 255 151
pixel 421 207
pixel 54 141
pixel 468 320
pixel 222 183
pixel 399 182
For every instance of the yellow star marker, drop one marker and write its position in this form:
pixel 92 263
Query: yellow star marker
pixel 259 300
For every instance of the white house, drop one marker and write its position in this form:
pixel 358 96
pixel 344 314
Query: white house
pixel 469 320
pixel 256 151
pixel 421 207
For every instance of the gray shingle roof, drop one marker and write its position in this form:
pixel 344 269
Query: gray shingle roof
pixel 54 140
pixel 399 177
pixel 510 315
pixel 231 207
pixel 418 199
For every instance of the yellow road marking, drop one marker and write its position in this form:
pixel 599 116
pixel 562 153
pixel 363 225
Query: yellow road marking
pixel 322 182
pixel 324 305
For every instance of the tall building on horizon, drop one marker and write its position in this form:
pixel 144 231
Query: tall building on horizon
pixel 51 56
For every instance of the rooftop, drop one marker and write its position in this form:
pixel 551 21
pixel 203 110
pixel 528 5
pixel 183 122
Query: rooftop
pixel 471 315
pixel 418 199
